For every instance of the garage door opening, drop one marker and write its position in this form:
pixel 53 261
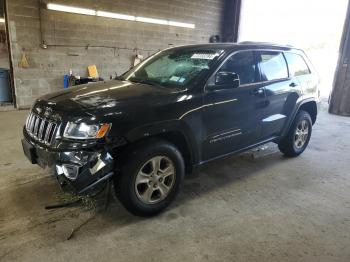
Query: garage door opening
pixel 315 26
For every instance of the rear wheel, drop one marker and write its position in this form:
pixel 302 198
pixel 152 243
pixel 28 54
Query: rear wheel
pixel 150 177
pixel 298 136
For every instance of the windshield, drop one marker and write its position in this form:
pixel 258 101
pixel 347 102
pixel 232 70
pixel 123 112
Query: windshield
pixel 173 68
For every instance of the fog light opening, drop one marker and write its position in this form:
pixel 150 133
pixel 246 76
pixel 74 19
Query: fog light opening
pixel 70 171
pixel 59 170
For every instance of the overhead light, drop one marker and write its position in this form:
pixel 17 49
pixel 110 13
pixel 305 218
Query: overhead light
pixel 115 15
pixel 180 24
pixel 84 11
pixel 152 20
pixel 71 9
pixel 2 20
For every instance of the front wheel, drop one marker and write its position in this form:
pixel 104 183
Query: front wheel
pixel 298 136
pixel 150 177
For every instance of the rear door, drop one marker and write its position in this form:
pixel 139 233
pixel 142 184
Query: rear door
pixel 282 91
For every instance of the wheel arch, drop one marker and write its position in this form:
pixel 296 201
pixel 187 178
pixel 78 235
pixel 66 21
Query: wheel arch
pixel 311 108
pixel 308 105
pixel 174 132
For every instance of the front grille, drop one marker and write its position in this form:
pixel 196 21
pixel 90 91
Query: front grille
pixel 40 128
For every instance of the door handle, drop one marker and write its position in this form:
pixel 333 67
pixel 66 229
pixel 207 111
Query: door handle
pixel 257 92
pixel 293 84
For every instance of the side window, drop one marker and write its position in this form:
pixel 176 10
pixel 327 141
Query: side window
pixel 296 64
pixel 273 65
pixel 243 64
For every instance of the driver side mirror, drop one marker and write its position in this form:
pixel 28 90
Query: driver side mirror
pixel 227 79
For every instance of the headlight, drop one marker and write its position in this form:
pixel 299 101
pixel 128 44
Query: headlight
pixel 84 131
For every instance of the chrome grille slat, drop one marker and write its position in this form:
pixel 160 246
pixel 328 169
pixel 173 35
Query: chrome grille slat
pixel 51 134
pixel 28 120
pixel 31 125
pixel 48 130
pixel 40 129
pixel 36 126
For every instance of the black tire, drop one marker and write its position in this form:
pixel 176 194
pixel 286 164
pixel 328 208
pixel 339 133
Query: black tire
pixel 132 161
pixel 288 145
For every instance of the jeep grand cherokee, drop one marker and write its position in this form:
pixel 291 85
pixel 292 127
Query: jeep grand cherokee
pixel 178 109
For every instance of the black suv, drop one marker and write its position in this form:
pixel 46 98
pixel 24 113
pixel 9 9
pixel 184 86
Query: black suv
pixel 178 109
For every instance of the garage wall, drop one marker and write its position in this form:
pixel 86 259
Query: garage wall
pixel 4 54
pixel 76 41
pixel 340 96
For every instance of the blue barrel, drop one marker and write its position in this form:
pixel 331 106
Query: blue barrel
pixel 5 91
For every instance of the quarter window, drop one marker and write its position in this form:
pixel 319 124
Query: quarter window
pixel 297 65
pixel 273 66
pixel 243 64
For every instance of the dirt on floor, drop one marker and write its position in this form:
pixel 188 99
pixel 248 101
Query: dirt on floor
pixel 259 206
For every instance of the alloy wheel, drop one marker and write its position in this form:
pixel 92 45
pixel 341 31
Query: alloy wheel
pixel 301 134
pixel 155 180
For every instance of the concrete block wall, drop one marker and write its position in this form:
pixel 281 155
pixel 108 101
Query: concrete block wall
pixel 76 41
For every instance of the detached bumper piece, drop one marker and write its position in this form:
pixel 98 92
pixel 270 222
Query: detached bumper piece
pixel 84 172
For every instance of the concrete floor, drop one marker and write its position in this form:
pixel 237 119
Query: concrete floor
pixel 258 206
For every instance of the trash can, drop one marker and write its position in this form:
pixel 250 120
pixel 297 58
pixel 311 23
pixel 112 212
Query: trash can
pixel 5 92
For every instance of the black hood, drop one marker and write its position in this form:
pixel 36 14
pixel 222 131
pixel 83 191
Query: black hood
pixel 97 97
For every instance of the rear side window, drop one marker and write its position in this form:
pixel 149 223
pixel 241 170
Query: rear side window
pixel 296 64
pixel 243 64
pixel 273 65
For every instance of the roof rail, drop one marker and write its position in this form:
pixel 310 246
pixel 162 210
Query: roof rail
pixel 262 43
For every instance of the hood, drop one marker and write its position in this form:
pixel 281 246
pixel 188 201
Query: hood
pixel 103 95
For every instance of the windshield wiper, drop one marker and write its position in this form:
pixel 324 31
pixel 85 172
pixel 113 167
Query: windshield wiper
pixel 119 78
pixel 145 81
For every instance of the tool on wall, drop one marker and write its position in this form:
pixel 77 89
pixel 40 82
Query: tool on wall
pixel 138 57
pixel 24 62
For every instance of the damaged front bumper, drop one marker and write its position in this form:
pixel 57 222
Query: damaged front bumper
pixel 82 172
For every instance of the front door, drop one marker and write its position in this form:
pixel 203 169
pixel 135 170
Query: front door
pixel 232 116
